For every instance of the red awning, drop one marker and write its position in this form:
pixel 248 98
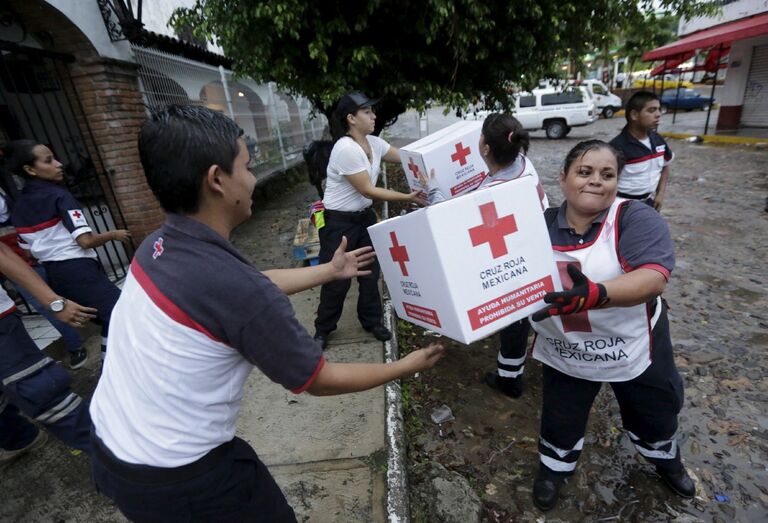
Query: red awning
pixel 670 62
pixel 716 59
pixel 721 34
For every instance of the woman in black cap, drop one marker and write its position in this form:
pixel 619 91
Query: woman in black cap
pixel 353 170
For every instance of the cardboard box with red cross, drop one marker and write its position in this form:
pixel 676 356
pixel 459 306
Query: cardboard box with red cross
pixel 453 153
pixel 470 266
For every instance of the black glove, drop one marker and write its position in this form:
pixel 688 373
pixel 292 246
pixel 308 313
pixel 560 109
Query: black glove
pixel 584 295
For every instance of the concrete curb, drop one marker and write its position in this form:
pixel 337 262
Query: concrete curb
pixel 397 475
pixel 716 138
pixel 398 508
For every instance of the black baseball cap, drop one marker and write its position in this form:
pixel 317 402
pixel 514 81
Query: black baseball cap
pixel 351 102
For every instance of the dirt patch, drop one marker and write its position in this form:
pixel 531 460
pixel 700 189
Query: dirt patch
pixel 718 298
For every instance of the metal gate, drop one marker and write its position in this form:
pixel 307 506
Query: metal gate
pixel 755 110
pixel 38 101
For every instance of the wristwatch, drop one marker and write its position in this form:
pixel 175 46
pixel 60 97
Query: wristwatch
pixel 57 305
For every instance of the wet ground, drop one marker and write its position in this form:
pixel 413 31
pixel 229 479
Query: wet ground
pixel 718 310
pixel 718 294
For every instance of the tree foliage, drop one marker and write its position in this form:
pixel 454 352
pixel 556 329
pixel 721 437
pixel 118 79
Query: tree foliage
pixel 651 32
pixel 411 52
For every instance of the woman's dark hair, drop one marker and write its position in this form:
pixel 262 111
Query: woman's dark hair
pixel 177 146
pixel 338 123
pixel 582 148
pixel 15 155
pixel 506 137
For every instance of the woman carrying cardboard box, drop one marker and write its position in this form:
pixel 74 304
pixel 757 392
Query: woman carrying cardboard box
pixel 503 145
pixel 353 171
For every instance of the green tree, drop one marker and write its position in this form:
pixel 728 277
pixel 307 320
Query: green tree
pixel 410 52
pixel 650 32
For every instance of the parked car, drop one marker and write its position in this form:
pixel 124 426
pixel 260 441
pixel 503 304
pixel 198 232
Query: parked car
pixel 687 99
pixel 668 82
pixel 555 110
pixel 606 102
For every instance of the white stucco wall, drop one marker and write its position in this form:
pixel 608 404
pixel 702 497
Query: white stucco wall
pixel 86 16
pixel 730 12
pixel 738 70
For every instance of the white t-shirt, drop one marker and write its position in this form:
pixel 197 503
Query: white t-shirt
pixel 347 157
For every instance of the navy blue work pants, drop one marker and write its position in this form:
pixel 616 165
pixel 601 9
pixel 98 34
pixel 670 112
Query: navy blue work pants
pixel 229 484
pixel 32 383
pixel 84 281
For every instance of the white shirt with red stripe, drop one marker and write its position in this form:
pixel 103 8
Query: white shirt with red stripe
pixel 612 344
pixel 7 305
pixel 51 241
pixel 146 407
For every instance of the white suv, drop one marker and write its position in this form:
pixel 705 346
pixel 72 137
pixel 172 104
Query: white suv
pixel 607 103
pixel 555 110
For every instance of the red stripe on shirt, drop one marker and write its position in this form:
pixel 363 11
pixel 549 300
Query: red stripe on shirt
pixel 656 267
pixel 320 365
pixel 39 227
pixel 645 158
pixel 7 312
pixel 165 304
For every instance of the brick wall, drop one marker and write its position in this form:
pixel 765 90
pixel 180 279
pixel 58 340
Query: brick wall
pixel 112 106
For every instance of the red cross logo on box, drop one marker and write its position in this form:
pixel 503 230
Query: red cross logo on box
pixel 461 154
pixel 399 253
pixel 77 214
pixel 413 168
pixel 158 245
pixel 493 230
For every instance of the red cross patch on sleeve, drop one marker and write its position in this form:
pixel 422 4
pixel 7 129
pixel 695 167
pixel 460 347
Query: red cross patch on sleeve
pixel 78 220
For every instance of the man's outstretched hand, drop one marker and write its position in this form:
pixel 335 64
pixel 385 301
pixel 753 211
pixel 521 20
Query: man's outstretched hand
pixel 349 264
pixel 584 295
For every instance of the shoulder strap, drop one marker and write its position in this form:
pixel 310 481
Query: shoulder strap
pixel 620 214
pixel 550 215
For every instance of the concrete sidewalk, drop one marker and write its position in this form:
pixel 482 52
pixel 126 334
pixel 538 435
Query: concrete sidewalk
pixel 328 454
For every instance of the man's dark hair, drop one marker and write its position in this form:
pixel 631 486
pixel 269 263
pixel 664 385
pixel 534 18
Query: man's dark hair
pixel 637 101
pixel 582 148
pixel 177 146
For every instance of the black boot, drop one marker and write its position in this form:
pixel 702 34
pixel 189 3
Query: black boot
pixel 679 481
pixel 512 387
pixel 380 332
pixel 546 488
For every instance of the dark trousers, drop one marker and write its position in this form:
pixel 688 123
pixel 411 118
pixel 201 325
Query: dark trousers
pixel 513 344
pixel 70 334
pixel 649 406
pixel 230 484
pixel 40 389
pixel 355 228
pixel 84 281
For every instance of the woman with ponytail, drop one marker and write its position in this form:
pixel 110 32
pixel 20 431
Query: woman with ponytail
pixel 503 145
pixel 51 224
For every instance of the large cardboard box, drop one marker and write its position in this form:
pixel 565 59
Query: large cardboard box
pixel 470 266
pixel 453 153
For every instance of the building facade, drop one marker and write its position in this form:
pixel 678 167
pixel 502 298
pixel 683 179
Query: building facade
pixel 81 77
